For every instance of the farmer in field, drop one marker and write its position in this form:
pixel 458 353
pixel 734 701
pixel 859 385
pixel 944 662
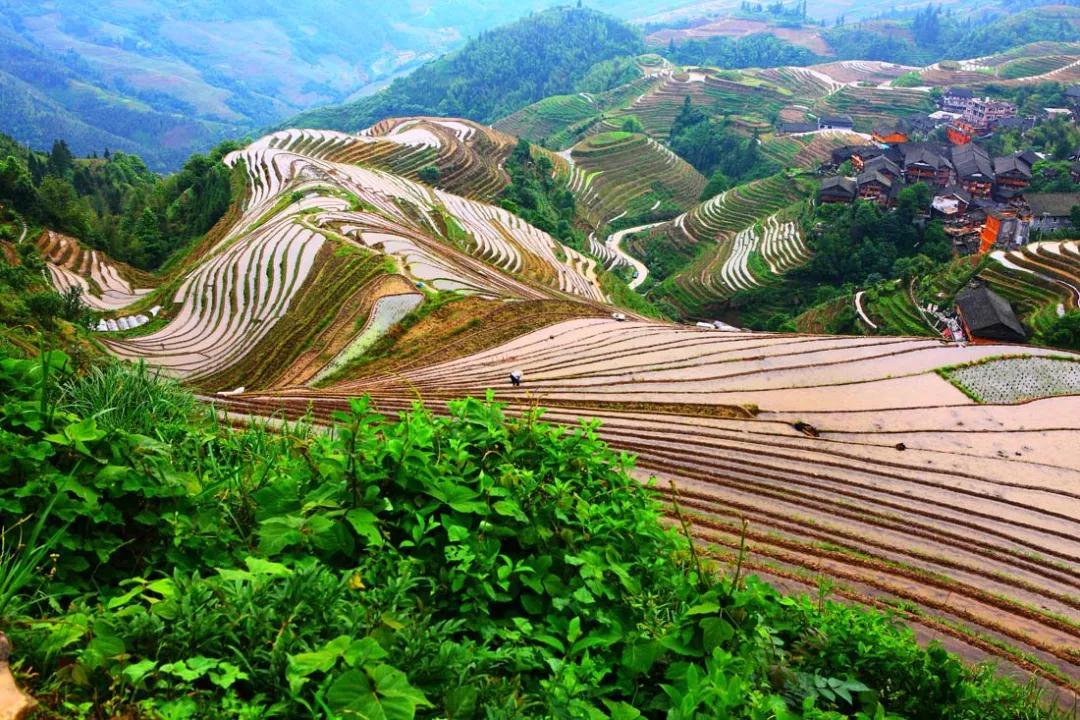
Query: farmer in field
pixel 515 378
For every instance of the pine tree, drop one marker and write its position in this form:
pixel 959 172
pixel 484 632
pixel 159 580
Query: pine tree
pixel 61 161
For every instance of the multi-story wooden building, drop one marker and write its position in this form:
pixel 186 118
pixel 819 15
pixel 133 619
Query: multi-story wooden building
pixel 974 169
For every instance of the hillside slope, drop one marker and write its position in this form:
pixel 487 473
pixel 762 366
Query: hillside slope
pixel 867 461
pixel 494 74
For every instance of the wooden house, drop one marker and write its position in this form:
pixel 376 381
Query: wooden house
pixel 923 164
pixel 985 315
pixel 837 189
pixel 874 186
pixel 889 135
pixel 1011 173
pixel 974 169
pixel 835 122
pixel 1051 211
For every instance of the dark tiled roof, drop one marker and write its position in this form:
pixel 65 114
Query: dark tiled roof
pixel 960 92
pixel 839 182
pixel 1073 91
pixel 1010 164
pixel 873 176
pixel 836 120
pixel 794 127
pixel 924 156
pixel 971 160
pixel 1028 157
pixel 987 314
pixel 1052 204
pixel 883 164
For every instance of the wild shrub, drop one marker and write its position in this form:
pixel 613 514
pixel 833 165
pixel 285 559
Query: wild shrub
pixel 466 566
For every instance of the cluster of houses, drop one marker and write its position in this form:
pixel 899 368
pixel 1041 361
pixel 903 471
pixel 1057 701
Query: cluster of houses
pixel 981 200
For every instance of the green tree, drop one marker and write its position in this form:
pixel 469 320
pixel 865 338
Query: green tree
pixel 430 174
pixel 1064 332
pixel 61 161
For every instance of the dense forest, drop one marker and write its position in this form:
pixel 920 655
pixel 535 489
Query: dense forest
pixel 760 50
pixel 720 153
pixel 114 202
pixel 495 74
pixel 937 33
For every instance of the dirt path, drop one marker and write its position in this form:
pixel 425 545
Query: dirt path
pixel 859 309
pixel 25 230
pixel 641 272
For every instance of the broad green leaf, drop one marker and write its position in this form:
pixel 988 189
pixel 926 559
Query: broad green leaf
pixel 622 711
pixel 715 632
pixel 706 608
pixel 365 523
pixel 137 671
pixel 259 566
pixel 573 632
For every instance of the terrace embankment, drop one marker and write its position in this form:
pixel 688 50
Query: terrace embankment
pixel 848 459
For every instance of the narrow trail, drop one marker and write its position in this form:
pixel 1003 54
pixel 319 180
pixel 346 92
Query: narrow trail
pixel 642 272
pixel 859 309
pixel 25 230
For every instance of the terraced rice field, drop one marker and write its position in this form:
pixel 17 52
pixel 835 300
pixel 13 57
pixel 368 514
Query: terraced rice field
pixel 105 284
pixel 871 105
pixel 748 96
pixel 614 173
pixel 563 120
pixel 720 236
pixel 862 71
pixel 1041 280
pixel 808 151
pixel 1032 66
pixel 830 457
pixel 469 156
pixel 779 245
pixel 311 233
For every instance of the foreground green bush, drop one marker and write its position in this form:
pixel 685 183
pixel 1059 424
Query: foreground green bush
pixel 473 566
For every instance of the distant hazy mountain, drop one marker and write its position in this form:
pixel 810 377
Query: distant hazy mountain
pixel 166 78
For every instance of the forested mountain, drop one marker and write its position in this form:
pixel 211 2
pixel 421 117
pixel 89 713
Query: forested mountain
pixel 115 203
pixel 168 79
pixel 495 74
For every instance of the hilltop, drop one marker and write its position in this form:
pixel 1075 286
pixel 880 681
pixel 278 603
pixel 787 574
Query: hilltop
pixel 496 73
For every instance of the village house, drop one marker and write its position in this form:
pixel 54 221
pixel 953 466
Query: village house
pixel 951 203
pixel 1021 124
pixel 1011 176
pixel 1072 96
pixel 889 134
pixel 985 315
pixel 874 186
pixel 1051 211
pixel 957 99
pixel 837 189
pixel 1003 230
pixel 923 164
pixel 835 122
pixel 974 169
pixel 984 113
pixel 795 128
pixel 885 166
